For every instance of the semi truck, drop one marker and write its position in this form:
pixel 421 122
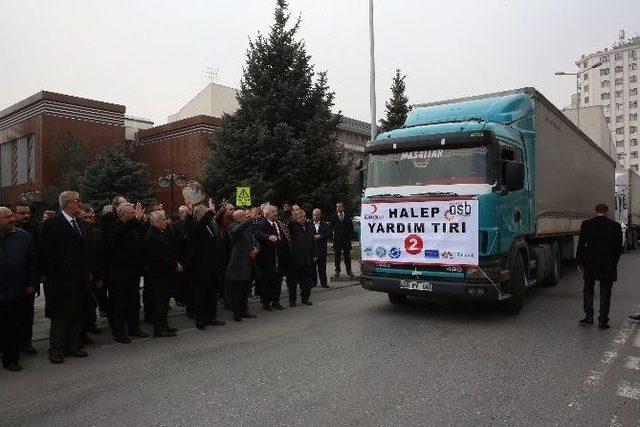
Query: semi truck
pixel 478 198
pixel 627 191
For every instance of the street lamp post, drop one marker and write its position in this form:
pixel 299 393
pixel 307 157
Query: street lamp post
pixel 577 74
pixel 170 179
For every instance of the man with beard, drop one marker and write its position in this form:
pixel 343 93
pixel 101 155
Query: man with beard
pixel 22 214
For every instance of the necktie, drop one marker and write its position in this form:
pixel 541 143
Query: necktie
pixel 341 216
pixel 75 227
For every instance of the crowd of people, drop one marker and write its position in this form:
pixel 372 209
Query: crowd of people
pixel 89 264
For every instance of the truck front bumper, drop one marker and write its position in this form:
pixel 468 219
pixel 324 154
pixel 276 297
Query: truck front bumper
pixel 439 288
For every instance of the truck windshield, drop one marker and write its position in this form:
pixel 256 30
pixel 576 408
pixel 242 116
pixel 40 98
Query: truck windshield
pixel 429 167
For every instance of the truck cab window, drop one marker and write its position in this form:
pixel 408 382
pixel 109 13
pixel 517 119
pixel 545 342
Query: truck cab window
pixel 509 155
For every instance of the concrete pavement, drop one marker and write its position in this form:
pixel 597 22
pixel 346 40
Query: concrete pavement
pixel 355 359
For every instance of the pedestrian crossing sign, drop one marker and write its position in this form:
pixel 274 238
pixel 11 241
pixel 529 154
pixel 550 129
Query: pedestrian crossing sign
pixel 243 196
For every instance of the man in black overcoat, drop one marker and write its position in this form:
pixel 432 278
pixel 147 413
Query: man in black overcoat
pixel 599 249
pixel 67 265
pixel 273 256
pixel 322 233
pixel 343 234
pixel 304 254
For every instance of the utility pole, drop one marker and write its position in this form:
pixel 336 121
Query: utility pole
pixel 372 74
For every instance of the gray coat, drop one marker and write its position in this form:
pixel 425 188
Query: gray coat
pixel 241 267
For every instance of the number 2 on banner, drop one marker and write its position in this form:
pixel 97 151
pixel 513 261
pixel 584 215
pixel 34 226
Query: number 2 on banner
pixel 413 244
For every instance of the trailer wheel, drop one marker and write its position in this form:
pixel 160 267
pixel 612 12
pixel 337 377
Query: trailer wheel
pixel 397 298
pixel 556 266
pixel 517 285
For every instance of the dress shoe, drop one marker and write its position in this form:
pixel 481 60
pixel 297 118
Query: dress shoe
pixel 237 317
pixel 248 315
pixel 326 286
pixel 164 334
pixel 215 322
pixel 172 330
pixel 603 325
pixel 139 333
pixel 267 307
pixel 337 274
pixel 94 329
pixel 123 340
pixel 292 304
pixel 307 302
pixel 313 285
pixel 635 317
pixel 199 325
pixel 278 306
pixel 191 315
pixel 56 358
pixel 87 341
pixel 587 321
pixel 29 350
pixel 13 367
pixel 350 274
pixel 76 353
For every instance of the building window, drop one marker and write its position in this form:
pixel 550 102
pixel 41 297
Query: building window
pixel 604 71
pixel 605 83
pixel 619 81
pixel 17 161
pixel 607 120
pixel 633 79
pixel 633 91
pixel 604 59
pixel 618 94
pixel 633 117
pixel 586 88
pixel 619 69
pixel 632 54
pixel 633 142
pixel 620 131
pixel 620 144
pixel 633 66
pixel 619 119
pixel 633 104
pixel 634 167
pixel 605 95
pixel 633 129
pixel 586 100
pixel 618 57
pixel 585 77
pixel 606 109
pixel 619 106
pixel 634 154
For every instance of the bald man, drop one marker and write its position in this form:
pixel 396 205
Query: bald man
pixel 18 277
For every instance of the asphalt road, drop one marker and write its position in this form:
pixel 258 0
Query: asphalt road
pixel 355 359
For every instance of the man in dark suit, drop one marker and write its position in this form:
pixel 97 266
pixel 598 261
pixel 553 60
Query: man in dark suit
pixel 22 213
pixel 68 270
pixel 241 269
pixel 160 267
pixel 343 233
pixel 304 253
pixel 96 290
pixel 272 258
pixel 124 271
pixel 599 249
pixel 322 230
pixel 204 259
pixel 18 277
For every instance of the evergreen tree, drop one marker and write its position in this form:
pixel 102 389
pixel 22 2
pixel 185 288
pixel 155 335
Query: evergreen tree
pixel 396 107
pixel 282 140
pixel 114 173
pixel 70 159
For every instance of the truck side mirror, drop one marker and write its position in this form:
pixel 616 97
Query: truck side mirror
pixel 513 176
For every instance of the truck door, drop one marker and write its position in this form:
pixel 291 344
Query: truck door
pixel 513 208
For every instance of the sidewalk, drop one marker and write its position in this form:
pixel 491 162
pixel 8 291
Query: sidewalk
pixel 41 324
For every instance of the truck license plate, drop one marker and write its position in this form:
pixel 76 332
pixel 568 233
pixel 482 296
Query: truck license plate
pixel 415 286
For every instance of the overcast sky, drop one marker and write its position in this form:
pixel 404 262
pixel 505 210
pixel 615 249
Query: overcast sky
pixel 151 55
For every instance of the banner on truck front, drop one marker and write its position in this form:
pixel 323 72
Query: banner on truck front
pixel 437 232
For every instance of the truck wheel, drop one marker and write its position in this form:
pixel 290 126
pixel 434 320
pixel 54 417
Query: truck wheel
pixel 397 298
pixel 556 267
pixel 517 285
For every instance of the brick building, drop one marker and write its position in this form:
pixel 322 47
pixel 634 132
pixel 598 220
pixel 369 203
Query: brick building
pixel 34 131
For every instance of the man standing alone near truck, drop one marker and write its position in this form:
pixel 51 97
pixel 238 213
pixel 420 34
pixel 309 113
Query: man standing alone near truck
pixel 599 249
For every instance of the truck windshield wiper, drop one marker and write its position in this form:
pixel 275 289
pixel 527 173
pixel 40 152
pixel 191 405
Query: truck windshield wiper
pixel 385 195
pixel 435 193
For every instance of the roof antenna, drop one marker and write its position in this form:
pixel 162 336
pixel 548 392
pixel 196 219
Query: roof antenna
pixel 211 74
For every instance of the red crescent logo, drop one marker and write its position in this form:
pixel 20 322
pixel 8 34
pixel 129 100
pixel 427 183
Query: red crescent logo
pixel 374 209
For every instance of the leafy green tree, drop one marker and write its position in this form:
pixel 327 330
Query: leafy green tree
pixel 114 173
pixel 282 140
pixel 397 106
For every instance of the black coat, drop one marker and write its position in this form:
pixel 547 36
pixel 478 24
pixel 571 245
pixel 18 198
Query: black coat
pixel 205 252
pixel 273 257
pixel 343 232
pixel 303 244
pixel 96 246
pixel 125 252
pixel 18 265
pixel 599 248
pixel 160 260
pixel 241 267
pixel 67 265
pixel 324 230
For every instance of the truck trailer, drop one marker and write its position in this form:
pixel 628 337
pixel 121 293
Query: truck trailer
pixel 627 190
pixel 478 198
